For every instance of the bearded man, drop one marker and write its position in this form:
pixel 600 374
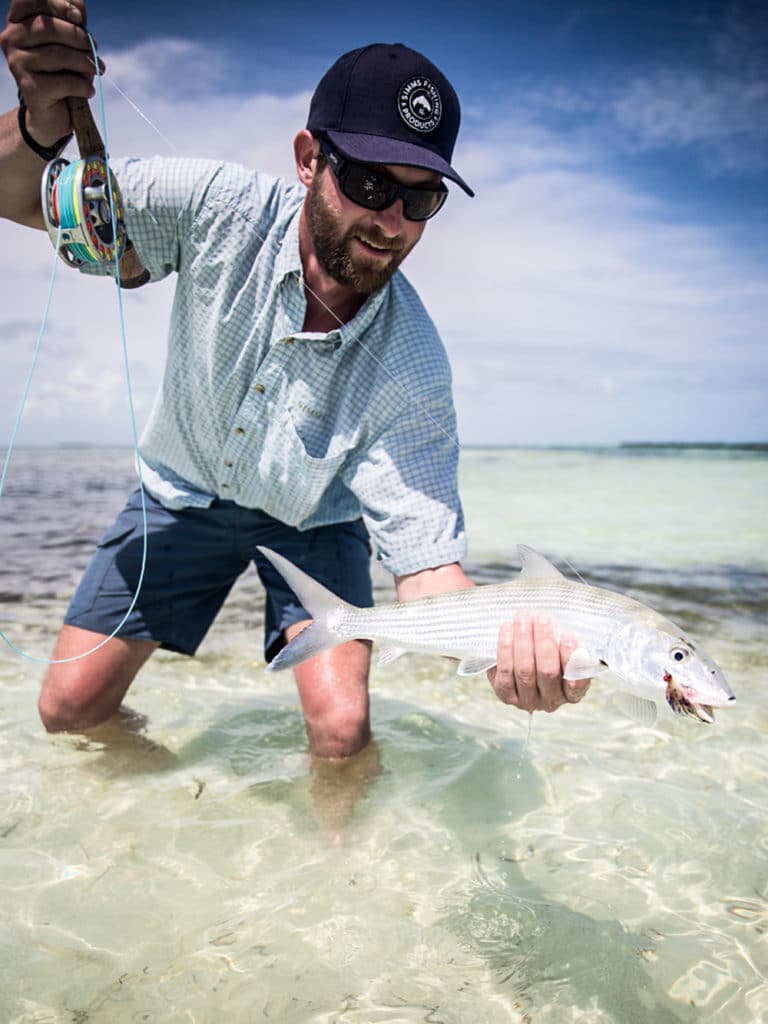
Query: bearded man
pixel 306 399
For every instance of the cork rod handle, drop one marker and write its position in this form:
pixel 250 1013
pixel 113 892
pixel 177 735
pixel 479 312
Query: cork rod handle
pixel 89 140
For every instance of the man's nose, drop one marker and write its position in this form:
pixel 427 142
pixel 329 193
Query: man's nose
pixel 390 219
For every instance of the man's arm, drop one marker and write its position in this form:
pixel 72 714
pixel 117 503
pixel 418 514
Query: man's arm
pixel 50 57
pixel 529 669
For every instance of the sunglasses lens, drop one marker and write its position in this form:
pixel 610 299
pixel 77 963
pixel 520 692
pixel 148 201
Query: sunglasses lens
pixel 423 203
pixel 368 188
pixel 377 191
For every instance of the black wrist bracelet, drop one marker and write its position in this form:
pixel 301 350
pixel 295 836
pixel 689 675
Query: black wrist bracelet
pixel 46 152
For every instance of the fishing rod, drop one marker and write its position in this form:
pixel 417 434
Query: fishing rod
pixel 83 207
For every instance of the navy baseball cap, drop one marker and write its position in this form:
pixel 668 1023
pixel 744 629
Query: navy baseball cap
pixel 388 104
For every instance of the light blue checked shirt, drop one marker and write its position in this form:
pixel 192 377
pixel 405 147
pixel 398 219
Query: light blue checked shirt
pixel 312 428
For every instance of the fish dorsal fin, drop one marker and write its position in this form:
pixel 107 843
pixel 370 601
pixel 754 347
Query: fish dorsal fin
pixel 536 566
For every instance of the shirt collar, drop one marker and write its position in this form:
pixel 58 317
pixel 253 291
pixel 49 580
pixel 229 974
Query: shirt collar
pixel 288 259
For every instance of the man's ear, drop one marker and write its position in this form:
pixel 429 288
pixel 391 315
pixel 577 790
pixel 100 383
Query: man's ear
pixel 305 150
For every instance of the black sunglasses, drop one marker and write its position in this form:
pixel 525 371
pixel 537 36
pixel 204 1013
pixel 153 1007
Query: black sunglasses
pixel 376 190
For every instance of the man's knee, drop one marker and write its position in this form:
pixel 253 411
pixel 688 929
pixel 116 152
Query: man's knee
pixel 339 732
pixel 334 697
pixel 56 717
pixel 62 710
pixel 88 680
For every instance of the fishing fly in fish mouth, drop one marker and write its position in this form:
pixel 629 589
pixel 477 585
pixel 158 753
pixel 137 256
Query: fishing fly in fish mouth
pixel 315 422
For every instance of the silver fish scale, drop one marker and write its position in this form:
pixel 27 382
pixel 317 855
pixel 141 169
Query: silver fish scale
pixel 467 621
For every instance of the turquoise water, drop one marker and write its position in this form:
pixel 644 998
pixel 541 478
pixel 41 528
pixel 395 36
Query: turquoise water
pixel 473 865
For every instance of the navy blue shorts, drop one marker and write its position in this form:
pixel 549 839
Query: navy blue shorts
pixel 194 556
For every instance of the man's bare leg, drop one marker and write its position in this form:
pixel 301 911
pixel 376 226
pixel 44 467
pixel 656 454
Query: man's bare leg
pixel 80 694
pixel 333 687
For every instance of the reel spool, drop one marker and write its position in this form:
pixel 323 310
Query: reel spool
pixel 75 200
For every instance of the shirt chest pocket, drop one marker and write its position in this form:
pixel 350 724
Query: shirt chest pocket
pixel 296 465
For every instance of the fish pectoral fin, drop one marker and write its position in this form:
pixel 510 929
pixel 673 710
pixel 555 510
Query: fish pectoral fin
pixel 389 654
pixel 642 710
pixel 583 665
pixel 474 664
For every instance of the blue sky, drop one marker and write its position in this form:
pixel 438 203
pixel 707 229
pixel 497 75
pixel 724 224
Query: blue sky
pixel 610 280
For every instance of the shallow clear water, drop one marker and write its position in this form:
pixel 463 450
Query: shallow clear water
pixel 466 868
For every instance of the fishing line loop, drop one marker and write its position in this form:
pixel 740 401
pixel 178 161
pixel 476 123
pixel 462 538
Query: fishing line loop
pixel 68 210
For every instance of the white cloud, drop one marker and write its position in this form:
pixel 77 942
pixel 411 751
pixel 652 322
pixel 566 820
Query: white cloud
pixel 157 66
pixel 585 311
pixel 719 114
pixel 725 117
pixel 575 307
pixel 569 254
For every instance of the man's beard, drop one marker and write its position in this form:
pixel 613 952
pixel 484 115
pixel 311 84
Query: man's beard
pixel 332 247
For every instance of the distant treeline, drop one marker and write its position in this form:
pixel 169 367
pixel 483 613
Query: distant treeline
pixel 748 446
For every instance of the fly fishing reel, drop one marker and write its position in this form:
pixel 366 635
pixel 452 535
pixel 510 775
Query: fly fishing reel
pixel 83 208
pixel 78 213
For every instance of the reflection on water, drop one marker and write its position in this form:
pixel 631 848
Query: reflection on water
pixel 200 867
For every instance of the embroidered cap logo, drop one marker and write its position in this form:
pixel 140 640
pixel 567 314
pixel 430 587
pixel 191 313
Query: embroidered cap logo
pixel 420 105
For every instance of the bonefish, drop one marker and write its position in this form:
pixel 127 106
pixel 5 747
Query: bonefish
pixel 652 659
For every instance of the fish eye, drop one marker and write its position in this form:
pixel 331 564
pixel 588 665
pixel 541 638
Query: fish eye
pixel 680 654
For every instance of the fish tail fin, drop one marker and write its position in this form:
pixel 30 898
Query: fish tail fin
pixel 325 608
pixel 310 641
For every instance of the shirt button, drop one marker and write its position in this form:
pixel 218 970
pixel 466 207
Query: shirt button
pixel 259 388
pixel 287 341
pixel 228 464
pixel 225 487
pixel 239 431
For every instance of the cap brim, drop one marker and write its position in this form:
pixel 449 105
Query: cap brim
pixel 376 149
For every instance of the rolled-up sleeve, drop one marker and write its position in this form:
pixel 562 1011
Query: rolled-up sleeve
pixel 406 485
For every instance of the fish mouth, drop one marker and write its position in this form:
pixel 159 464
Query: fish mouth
pixel 682 706
pixel 701 712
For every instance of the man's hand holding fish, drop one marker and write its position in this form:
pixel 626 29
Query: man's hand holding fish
pixel 530 659
pixel 530 665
